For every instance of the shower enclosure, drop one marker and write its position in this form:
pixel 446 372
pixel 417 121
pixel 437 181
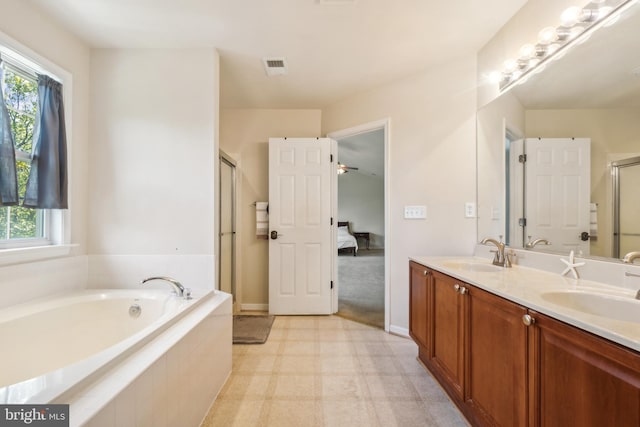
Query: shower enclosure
pixel 626 206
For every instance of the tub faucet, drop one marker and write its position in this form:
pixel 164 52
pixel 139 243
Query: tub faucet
pixel 532 244
pixel 177 287
pixel 500 259
pixel 631 256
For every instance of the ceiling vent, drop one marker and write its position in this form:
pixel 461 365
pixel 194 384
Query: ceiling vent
pixel 275 66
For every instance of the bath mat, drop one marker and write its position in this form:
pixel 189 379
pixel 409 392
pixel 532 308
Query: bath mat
pixel 251 329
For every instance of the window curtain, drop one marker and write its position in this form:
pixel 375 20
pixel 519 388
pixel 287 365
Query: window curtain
pixel 8 177
pixel 47 183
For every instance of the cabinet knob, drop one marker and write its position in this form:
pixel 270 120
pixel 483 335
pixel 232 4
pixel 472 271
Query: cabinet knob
pixel 456 287
pixel 426 272
pixel 463 290
pixel 528 320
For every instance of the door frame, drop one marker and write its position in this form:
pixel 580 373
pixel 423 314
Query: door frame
pixel 615 179
pixel 383 124
pixel 225 158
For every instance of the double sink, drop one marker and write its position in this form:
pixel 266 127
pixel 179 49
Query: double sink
pixel 603 303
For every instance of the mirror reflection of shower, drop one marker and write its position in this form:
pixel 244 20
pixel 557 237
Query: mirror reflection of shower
pixel 626 206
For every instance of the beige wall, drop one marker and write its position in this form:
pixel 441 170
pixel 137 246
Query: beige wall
pixel 614 133
pixel 244 135
pixel 153 159
pixel 431 162
pixel 26 26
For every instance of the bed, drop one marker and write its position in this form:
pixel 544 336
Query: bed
pixel 346 240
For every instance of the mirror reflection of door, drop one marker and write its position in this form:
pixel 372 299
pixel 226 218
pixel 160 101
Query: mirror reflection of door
pixel 626 175
pixel 227 226
pixel 557 192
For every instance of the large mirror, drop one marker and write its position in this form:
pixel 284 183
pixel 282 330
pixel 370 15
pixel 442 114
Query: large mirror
pixel 559 155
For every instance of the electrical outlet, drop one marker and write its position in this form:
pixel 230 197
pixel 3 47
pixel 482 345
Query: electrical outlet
pixel 415 212
pixel 469 210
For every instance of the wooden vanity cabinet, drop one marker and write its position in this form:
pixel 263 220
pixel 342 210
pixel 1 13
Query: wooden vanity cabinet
pixel 419 310
pixel 447 355
pixel 496 360
pixel 579 379
pixel 506 365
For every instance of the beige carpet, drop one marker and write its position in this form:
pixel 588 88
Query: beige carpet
pixel 248 329
pixel 361 287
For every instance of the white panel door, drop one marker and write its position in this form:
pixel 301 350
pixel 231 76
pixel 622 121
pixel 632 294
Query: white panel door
pixel 301 235
pixel 558 192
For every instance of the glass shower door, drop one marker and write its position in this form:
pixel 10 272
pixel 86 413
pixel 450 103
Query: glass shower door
pixel 626 176
pixel 227 237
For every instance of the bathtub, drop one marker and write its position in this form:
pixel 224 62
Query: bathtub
pixel 101 351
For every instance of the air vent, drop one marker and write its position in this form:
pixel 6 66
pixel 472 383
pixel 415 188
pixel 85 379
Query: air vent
pixel 275 66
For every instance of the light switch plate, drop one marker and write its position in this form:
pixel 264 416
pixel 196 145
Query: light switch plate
pixel 469 210
pixel 415 212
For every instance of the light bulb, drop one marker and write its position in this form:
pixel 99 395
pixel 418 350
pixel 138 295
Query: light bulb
pixel 495 77
pixel 527 51
pixel 547 35
pixel 510 65
pixel 570 17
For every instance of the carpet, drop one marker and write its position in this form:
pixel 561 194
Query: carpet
pixel 361 287
pixel 249 329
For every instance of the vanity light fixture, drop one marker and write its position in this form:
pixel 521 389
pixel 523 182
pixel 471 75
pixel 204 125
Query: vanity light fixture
pixel 577 23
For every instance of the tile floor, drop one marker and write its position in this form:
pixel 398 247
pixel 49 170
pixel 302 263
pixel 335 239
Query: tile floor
pixel 329 371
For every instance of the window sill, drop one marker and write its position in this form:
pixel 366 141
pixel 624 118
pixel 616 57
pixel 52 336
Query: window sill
pixel 35 253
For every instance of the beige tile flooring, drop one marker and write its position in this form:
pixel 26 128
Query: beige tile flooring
pixel 329 371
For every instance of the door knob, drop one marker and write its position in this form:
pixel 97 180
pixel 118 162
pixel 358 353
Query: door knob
pixel 274 234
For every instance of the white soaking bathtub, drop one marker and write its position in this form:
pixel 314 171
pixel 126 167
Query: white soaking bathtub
pixel 94 349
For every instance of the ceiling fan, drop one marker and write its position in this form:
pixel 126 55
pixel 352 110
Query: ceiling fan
pixel 342 168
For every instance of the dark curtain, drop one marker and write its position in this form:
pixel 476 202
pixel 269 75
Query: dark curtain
pixel 8 177
pixel 47 183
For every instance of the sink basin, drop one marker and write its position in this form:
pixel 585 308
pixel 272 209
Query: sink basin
pixel 472 266
pixel 609 306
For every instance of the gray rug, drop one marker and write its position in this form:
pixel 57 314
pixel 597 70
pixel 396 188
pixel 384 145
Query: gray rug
pixel 249 329
pixel 361 287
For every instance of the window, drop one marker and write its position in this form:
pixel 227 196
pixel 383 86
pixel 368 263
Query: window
pixel 20 226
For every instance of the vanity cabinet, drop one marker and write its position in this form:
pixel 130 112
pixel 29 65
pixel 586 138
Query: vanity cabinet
pixel 506 365
pixel 447 356
pixel 419 327
pixel 580 379
pixel 496 360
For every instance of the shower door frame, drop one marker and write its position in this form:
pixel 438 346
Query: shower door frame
pixel 228 160
pixel 615 178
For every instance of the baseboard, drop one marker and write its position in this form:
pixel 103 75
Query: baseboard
pixel 254 307
pixel 397 330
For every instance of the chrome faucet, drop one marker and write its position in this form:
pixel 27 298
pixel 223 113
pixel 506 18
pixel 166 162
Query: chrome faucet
pixel 532 244
pixel 500 259
pixel 177 287
pixel 631 256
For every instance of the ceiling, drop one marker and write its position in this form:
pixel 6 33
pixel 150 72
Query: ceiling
pixel 364 151
pixel 333 48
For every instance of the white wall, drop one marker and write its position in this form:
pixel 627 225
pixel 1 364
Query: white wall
pixel 153 163
pixel 361 202
pixel 431 162
pixel 25 25
pixel 244 135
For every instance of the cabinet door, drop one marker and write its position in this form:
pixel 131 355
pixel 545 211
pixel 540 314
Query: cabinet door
pixel 496 368
pixel 448 332
pixel 419 277
pixel 579 379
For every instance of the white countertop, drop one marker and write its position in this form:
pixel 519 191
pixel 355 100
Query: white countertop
pixel 526 286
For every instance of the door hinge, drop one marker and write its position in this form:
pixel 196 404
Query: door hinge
pixel 522 158
pixel 331 158
pixel 522 222
pixel 332 284
pixel 331 220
